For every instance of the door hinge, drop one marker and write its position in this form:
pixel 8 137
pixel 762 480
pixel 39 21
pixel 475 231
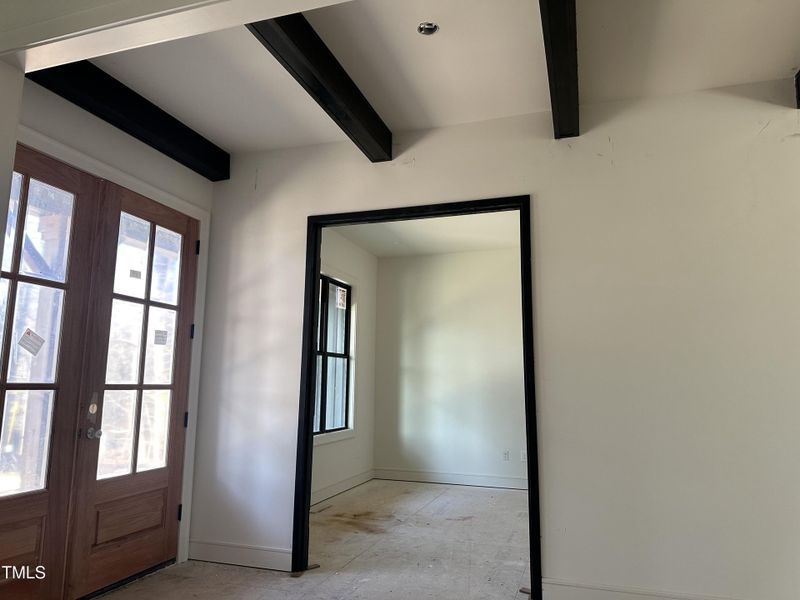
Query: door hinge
pixel 191 332
pixel 186 419
pixel 180 511
pixel 197 247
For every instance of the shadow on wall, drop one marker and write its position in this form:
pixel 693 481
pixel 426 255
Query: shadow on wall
pixel 597 57
pixel 779 92
pixel 451 373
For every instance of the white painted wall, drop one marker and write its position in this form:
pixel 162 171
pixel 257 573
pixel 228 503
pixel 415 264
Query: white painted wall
pixel 343 459
pixel 449 387
pixel 667 313
pixel 61 130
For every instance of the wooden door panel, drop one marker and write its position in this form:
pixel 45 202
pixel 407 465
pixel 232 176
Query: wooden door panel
pixel 33 524
pixel 128 516
pixel 21 542
pixel 131 515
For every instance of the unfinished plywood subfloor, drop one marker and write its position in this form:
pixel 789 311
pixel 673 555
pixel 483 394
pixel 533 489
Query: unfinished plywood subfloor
pixel 383 539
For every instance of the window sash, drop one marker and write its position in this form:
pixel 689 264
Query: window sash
pixel 325 354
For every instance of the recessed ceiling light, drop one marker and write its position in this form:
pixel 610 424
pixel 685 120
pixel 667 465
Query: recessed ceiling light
pixel 427 28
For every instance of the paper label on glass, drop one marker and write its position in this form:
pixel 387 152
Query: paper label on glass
pixel 134 274
pixel 341 298
pixel 31 341
pixel 161 336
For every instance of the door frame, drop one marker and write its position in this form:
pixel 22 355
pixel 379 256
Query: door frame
pixel 43 143
pixel 305 425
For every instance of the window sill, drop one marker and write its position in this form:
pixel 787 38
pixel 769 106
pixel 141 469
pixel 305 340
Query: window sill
pixel 336 436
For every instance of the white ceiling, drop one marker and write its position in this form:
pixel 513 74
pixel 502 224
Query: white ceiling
pixel 641 48
pixel 442 235
pixel 227 87
pixel 486 62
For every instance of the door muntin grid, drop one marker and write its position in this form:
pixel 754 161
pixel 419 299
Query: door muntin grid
pixel 138 395
pixel 34 286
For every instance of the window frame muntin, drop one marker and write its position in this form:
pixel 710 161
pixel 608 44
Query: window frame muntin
pixel 322 352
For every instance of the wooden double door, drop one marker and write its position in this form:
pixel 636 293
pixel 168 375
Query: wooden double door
pixel 96 300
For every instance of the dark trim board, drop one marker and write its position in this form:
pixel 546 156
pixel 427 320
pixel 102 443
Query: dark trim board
pixel 295 44
pixel 97 92
pixel 305 441
pixel 797 89
pixel 560 30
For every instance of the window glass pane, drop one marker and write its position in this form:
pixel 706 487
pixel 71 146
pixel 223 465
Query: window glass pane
pixel 318 395
pixel 116 443
pixel 336 393
pixel 337 311
pixel 319 319
pixel 11 221
pixel 124 342
pixel 48 221
pixel 160 346
pixel 153 430
pixel 36 334
pixel 133 246
pixel 5 285
pixel 166 266
pixel 25 440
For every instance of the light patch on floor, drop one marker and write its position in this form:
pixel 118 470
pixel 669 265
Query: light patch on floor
pixel 383 539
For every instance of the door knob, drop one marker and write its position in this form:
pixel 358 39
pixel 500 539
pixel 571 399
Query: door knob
pixel 94 434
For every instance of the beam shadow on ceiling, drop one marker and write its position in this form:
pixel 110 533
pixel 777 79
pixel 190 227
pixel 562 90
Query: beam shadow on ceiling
pixel 97 92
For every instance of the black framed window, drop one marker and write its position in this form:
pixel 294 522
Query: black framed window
pixel 331 403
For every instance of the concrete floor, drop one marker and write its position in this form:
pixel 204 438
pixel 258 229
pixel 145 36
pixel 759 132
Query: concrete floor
pixel 383 539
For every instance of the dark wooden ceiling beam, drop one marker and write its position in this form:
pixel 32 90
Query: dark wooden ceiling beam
pixel 295 44
pixel 94 90
pixel 561 48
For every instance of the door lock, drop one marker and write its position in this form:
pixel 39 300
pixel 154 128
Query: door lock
pixel 94 434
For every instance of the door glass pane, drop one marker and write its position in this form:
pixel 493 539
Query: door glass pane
pixel 337 311
pixel 11 221
pixel 116 443
pixel 124 342
pixel 160 346
pixel 25 440
pixel 36 334
pixel 318 394
pixel 153 430
pixel 336 393
pixel 48 221
pixel 133 246
pixel 166 266
pixel 5 284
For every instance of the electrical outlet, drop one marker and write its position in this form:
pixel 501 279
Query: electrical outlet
pixel 506 455
pixel 523 455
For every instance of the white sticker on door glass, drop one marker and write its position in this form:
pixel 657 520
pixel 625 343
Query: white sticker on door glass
pixel 161 336
pixel 341 298
pixel 31 341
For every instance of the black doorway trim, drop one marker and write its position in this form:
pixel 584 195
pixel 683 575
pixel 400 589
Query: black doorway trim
pixel 305 437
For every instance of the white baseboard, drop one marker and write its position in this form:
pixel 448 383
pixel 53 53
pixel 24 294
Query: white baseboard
pixel 342 486
pixel 556 589
pixel 278 559
pixel 517 483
